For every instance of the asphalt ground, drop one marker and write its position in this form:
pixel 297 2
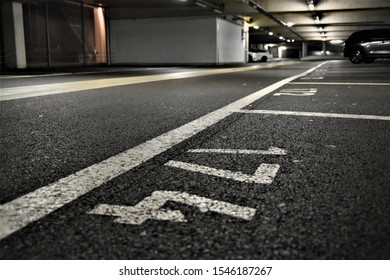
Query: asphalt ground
pixel 328 199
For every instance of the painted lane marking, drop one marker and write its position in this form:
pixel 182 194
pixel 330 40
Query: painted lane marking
pixel 270 151
pixel 312 78
pixel 264 174
pixel 59 88
pixel 150 208
pixel 315 114
pixel 297 92
pixel 342 84
pixel 33 206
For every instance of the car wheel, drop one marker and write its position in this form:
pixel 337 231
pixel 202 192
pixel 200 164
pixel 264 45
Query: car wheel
pixel 252 59
pixel 264 59
pixel 369 60
pixel 356 56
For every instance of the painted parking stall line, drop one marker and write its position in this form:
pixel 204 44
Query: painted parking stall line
pixel 33 206
pixel 315 114
pixel 296 92
pixel 271 151
pixel 340 84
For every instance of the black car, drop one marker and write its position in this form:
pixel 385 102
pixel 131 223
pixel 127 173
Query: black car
pixel 367 45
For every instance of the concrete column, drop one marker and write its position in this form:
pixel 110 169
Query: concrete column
pixel 304 49
pixel 13 32
pixel 323 48
pixel 100 35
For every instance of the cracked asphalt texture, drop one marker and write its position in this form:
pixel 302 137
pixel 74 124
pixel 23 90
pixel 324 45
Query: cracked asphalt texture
pixel 329 200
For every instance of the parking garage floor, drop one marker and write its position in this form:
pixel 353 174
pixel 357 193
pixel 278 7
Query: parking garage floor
pixel 279 160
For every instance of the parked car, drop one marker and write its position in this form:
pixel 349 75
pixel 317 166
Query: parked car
pixel 259 55
pixel 367 45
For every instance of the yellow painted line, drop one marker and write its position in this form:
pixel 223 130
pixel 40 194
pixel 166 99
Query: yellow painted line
pixel 58 88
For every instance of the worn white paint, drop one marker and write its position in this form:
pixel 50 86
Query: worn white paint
pixel 312 78
pixel 33 206
pixel 315 114
pixel 150 208
pixel 264 174
pixel 271 151
pixel 297 92
pixel 341 84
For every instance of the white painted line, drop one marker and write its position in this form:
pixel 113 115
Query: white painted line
pixel 35 205
pixel 149 208
pixel 312 78
pixel 59 88
pixel 315 114
pixel 341 84
pixel 297 92
pixel 271 151
pixel 265 174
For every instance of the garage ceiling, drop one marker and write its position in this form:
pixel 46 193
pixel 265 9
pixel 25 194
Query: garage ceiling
pixel 309 20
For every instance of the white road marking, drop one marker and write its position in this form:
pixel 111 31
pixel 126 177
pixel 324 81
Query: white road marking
pixel 264 174
pixel 297 92
pixel 150 208
pixel 315 114
pixel 59 88
pixel 33 206
pixel 341 84
pixel 270 151
pixel 312 78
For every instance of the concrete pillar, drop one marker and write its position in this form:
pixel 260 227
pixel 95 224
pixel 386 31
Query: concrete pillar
pixel 13 32
pixel 304 49
pixel 100 35
pixel 323 48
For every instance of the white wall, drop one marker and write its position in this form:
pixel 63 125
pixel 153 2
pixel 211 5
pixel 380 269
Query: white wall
pixel 205 40
pixel 230 44
pixel 163 41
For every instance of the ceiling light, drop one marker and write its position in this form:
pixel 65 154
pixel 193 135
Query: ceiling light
pixel 255 26
pixel 270 33
pixel 289 24
pixel 311 7
pixel 336 42
pixel 317 19
pixel 321 28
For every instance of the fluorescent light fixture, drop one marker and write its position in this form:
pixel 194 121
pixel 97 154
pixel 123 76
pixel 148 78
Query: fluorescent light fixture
pixel 218 11
pixel 336 42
